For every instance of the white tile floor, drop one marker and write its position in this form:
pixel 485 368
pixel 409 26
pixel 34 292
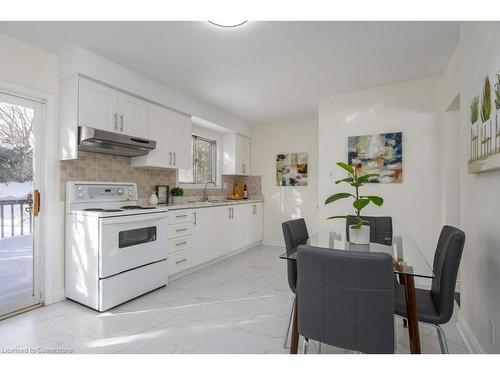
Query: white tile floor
pixel 239 305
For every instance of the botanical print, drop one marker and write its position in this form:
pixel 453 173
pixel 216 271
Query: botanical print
pixel 291 169
pixel 378 153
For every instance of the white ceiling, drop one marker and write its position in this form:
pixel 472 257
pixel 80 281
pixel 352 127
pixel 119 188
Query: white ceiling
pixel 264 71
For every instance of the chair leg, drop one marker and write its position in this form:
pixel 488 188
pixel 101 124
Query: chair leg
pixel 442 340
pixel 289 325
pixel 306 344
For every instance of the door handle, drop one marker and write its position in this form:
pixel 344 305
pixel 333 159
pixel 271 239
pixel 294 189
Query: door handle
pixel 36 202
pixel 116 120
pixel 121 120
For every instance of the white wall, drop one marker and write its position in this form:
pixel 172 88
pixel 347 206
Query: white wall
pixel 480 193
pixel 32 72
pixel 283 203
pixel 79 60
pixel 409 107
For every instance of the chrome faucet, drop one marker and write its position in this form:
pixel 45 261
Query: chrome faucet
pixel 205 196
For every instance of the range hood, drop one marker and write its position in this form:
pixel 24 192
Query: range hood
pixel 106 142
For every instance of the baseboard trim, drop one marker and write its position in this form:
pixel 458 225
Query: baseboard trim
pixel 468 337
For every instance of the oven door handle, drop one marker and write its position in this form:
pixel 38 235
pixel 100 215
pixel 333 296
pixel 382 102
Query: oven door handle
pixel 133 218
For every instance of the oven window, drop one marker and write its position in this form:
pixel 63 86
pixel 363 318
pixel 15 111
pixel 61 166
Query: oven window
pixel 136 236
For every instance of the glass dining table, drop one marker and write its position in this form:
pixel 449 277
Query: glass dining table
pixel 408 263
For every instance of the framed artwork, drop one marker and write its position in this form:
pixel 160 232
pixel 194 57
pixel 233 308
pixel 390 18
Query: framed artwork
pixel 162 194
pixel 485 127
pixel 378 153
pixel 291 169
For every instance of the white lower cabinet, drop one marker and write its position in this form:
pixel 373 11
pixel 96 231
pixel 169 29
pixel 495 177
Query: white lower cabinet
pixel 201 235
pixel 221 228
pixel 237 227
pixel 256 222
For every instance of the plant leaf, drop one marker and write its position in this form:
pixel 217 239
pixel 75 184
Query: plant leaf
pixel 345 166
pixel 336 197
pixel 366 177
pixel 348 179
pixel 360 203
pixel 337 217
pixel 379 201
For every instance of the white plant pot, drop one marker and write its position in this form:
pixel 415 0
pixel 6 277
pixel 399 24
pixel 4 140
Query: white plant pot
pixel 177 200
pixel 359 236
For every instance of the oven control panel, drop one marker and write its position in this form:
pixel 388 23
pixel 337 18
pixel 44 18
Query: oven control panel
pixel 108 191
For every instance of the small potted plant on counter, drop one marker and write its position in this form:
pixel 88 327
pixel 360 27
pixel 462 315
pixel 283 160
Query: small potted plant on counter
pixel 359 232
pixel 177 193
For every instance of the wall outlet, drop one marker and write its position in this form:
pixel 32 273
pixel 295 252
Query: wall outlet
pixel 491 328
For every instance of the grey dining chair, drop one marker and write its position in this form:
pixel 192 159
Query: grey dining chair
pixel 346 299
pixel 295 234
pixel 435 306
pixel 380 228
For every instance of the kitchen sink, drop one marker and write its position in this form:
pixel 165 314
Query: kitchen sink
pixel 209 201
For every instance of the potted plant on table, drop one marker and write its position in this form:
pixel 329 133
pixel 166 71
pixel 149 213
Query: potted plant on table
pixel 177 193
pixel 359 232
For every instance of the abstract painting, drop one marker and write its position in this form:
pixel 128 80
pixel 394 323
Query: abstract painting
pixel 378 153
pixel 291 169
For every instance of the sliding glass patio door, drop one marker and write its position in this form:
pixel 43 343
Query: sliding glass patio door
pixel 19 202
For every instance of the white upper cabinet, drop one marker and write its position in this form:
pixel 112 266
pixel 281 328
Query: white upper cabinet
pixel 181 145
pixel 172 133
pixel 132 115
pixel 97 105
pixel 103 107
pixel 236 154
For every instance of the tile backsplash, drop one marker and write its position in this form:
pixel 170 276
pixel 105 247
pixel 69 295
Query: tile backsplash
pixel 101 167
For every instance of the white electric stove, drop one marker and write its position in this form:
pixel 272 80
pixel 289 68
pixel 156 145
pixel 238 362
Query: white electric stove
pixel 116 249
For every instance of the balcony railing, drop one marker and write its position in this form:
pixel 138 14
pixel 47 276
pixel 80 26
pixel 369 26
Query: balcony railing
pixel 16 218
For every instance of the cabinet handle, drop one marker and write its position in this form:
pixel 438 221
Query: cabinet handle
pixel 175 159
pixel 170 158
pixel 178 216
pixel 116 120
pixel 121 121
pixel 181 230
pixel 230 212
pixel 181 243
pixel 195 218
pixel 181 261
pixel 243 168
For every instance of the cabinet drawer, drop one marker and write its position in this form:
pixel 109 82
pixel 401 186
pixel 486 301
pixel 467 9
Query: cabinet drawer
pixel 180 230
pixel 179 261
pixel 179 244
pixel 180 216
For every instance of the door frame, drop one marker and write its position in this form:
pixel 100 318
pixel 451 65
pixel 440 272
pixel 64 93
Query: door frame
pixel 45 179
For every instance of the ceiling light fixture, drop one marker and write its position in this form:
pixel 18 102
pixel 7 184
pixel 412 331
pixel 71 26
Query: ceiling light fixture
pixel 227 24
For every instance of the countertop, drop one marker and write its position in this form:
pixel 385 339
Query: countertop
pixel 217 203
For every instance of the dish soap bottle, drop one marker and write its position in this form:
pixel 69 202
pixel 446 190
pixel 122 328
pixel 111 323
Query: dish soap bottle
pixel 153 199
pixel 245 193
